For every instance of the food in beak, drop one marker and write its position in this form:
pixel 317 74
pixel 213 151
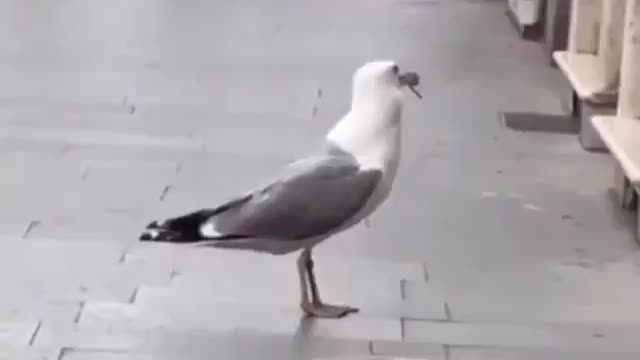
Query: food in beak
pixel 411 80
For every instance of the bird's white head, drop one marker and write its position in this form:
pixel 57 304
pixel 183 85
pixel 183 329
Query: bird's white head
pixel 371 129
pixel 381 79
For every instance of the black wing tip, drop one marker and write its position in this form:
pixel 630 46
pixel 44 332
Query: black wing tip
pixel 145 236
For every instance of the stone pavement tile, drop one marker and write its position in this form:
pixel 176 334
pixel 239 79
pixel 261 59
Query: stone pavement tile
pixel 227 173
pixel 29 353
pixel 237 347
pixel 161 124
pixel 180 344
pixel 97 137
pixel 251 345
pixel 194 261
pixel 71 289
pixel 520 353
pixel 103 172
pixel 116 191
pixel 51 87
pixel 77 274
pixel 371 357
pixel 51 252
pixel 229 317
pixel 12 229
pixel 51 312
pixel 512 334
pixel 236 91
pixel 13 148
pixel 123 153
pixel 51 336
pixel 405 349
pixel 80 354
pixel 116 225
pixel 211 276
pixel 52 191
pixel 568 291
pixel 31 168
pixel 14 334
pixel 376 299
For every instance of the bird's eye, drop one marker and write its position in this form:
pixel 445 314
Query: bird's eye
pixel 395 69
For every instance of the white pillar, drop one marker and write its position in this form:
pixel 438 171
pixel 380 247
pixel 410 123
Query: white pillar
pixel 610 43
pixel 629 93
pixel 584 27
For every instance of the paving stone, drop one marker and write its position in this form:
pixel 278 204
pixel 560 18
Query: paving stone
pixel 37 169
pixel 180 344
pixel 60 289
pixel 51 312
pixel 404 349
pixel 49 336
pixel 240 347
pixel 251 345
pixel 53 252
pixel 505 353
pixel 29 150
pixel 29 353
pixel 13 230
pixel 158 123
pixel 376 299
pixel 63 89
pixel 513 334
pixel 573 291
pixel 378 294
pixel 113 223
pixel 393 357
pixel 230 317
pixel 14 334
pixel 234 88
pixel 115 173
pixel 79 354
pixel 199 260
pixel 100 195
pixel 77 274
pixel 102 137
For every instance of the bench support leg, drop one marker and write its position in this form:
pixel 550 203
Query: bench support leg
pixel 588 136
pixel 626 194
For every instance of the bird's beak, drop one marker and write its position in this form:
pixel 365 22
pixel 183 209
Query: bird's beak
pixel 411 80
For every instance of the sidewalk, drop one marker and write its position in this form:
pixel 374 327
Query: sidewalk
pixel 495 244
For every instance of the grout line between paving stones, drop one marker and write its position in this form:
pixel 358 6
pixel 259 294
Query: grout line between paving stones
pixel 35 333
pixel 447 351
pixel 76 319
pixel 165 191
pixel 402 329
pixel 62 353
pixel 417 319
pixel 403 290
pixel 315 105
pixel 31 226
pixel 425 272
pixel 134 295
pixel 66 350
pixel 85 174
pixel 447 311
pixel 173 274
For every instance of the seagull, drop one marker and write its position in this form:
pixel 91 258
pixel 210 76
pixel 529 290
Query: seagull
pixel 317 196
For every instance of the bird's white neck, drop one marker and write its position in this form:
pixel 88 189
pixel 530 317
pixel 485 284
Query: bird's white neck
pixel 371 133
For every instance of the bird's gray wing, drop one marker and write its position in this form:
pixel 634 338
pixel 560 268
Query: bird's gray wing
pixel 311 198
